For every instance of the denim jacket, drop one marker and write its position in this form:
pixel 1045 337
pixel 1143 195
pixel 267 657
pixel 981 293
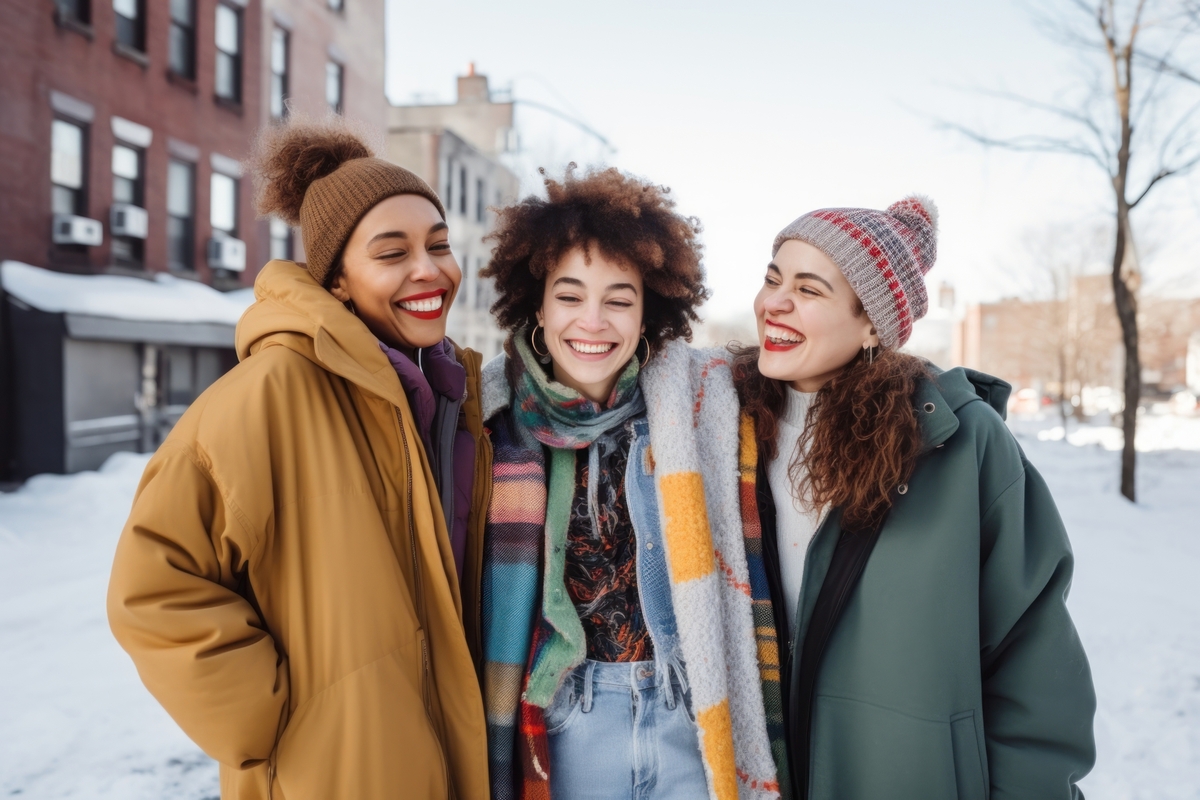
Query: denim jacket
pixel 654 581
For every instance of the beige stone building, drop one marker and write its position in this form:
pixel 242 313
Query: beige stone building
pixel 455 148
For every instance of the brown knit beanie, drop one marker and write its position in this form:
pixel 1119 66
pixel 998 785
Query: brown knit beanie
pixel 323 177
pixel 883 254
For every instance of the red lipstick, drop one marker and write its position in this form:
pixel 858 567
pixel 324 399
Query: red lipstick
pixel 433 314
pixel 780 347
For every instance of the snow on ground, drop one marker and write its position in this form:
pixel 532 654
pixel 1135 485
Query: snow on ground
pixel 1135 598
pixel 75 720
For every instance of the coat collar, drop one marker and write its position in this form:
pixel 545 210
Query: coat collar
pixel 938 399
pixel 294 311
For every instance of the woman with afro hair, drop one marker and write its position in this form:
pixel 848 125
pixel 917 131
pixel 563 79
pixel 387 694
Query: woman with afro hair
pixel 619 630
pixel 288 582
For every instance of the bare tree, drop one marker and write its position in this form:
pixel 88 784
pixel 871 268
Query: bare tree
pixel 1060 253
pixel 1135 117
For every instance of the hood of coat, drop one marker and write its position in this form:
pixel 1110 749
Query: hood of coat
pixel 496 392
pixel 292 310
pixel 938 401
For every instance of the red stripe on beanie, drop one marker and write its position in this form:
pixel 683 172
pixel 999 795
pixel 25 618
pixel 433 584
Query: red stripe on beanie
pixel 881 263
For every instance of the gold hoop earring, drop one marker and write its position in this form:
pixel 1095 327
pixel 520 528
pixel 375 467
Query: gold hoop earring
pixel 543 357
pixel 643 362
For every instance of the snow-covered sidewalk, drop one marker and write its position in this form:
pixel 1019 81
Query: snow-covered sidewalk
pixel 75 720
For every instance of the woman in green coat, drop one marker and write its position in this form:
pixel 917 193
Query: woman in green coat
pixel 916 564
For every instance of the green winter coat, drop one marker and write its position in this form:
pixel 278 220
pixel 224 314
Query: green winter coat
pixel 954 671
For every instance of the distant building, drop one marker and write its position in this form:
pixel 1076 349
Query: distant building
pixel 454 147
pixel 933 335
pixel 1064 347
pixel 106 363
pixel 126 122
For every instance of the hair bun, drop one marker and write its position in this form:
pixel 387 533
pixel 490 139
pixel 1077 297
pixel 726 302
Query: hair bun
pixel 289 158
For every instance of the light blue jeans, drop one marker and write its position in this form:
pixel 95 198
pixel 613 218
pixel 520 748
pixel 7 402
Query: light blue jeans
pixel 624 730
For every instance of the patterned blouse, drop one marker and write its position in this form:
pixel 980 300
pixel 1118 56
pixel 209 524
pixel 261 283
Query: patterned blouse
pixel 601 570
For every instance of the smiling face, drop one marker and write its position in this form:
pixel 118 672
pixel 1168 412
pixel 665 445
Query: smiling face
pixel 592 315
pixel 398 271
pixel 810 322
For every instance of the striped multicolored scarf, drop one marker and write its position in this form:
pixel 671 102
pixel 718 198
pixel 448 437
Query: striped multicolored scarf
pixel 526 658
pixel 765 634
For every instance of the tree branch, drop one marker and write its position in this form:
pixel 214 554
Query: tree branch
pixel 1077 117
pixel 1029 144
pixel 1163 174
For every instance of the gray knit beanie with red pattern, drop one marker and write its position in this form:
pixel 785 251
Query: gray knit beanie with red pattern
pixel 883 254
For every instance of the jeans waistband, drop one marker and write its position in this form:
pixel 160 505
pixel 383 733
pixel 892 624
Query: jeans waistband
pixel 633 676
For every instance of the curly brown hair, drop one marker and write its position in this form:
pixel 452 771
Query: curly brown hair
pixel 860 441
pixel 625 218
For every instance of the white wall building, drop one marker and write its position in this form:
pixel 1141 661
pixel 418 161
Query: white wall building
pixel 454 147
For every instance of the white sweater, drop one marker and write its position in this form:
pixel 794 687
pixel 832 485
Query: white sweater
pixel 794 524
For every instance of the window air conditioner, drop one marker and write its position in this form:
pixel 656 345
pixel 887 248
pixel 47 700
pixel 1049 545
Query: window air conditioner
pixel 225 252
pixel 70 229
pixel 128 220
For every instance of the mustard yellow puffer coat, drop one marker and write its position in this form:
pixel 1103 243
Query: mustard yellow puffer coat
pixel 285 583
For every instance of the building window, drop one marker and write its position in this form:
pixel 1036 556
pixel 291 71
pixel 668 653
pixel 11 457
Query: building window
pixel 181 216
pixel 74 10
pixel 229 53
pixel 281 239
pixel 462 191
pixel 181 46
pixel 131 24
pixel 448 196
pixel 333 86
pixel 127 175
pixel 224 206
pixel 67 168
pixel 129 188
pixel 480 203
pixel 279 73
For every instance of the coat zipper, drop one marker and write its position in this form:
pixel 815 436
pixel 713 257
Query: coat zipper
pixel 412 527
pixel 412 539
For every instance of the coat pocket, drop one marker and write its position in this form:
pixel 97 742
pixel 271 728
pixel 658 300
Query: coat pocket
pixel 364 736
pixel 968 757
pixel 865 751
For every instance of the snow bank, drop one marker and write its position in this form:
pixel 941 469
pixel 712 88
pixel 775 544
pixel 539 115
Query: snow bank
pixel 1135 598
pixel 77 721
pixel 164 299
pixel 1156 431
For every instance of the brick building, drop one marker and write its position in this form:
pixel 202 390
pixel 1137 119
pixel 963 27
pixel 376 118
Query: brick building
pixel 1076 341
pixel 124 124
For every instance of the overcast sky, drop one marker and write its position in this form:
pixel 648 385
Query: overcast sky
pixel 754 113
